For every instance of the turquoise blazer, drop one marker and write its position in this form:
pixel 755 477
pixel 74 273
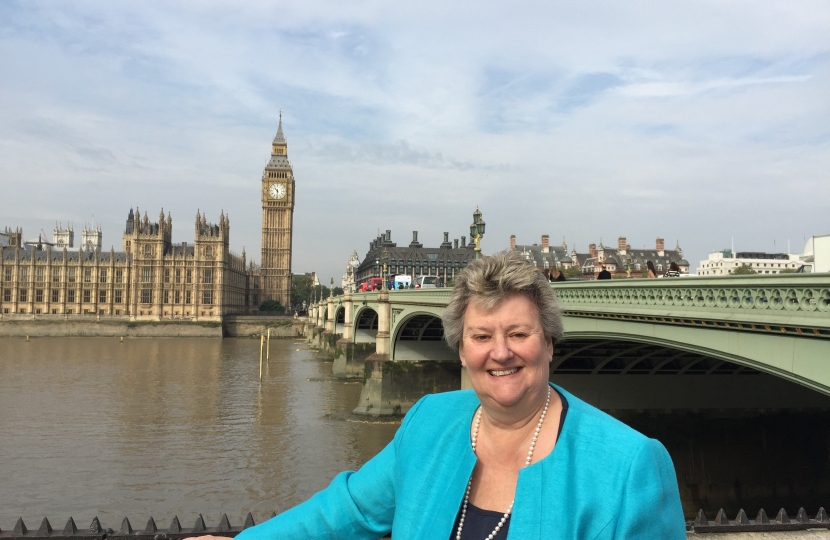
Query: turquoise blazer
pixel 603 480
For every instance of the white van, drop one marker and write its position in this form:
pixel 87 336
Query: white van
pixel 426 282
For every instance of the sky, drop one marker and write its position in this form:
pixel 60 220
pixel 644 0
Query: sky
pixel 704 122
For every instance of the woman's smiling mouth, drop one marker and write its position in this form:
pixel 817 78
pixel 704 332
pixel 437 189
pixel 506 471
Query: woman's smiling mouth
pixel 503 372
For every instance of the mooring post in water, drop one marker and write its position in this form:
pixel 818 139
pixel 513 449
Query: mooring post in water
pixel 268 348
pixel 261 343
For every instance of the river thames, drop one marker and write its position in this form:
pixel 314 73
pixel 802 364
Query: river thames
pixel 164 427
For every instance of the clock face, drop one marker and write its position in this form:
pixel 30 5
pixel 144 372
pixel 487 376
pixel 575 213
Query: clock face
pixel 277 191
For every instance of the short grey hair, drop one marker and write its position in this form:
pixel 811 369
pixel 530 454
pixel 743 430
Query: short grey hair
pixel 490 280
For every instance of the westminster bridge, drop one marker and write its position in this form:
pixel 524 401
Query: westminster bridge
pixel 731 373
pixel 732 325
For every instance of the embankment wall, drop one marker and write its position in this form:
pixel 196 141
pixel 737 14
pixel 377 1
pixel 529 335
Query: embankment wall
pixel 107 327
pixel 93 326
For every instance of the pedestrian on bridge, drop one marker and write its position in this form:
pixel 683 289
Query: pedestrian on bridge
pixel 515 454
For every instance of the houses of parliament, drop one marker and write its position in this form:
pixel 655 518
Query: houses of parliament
pixel 151 277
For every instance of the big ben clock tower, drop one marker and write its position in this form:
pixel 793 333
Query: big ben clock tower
pixel 277 222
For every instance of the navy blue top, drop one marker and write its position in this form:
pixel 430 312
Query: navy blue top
pixel 479 523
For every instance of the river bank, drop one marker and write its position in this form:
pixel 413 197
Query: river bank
pixel 14 325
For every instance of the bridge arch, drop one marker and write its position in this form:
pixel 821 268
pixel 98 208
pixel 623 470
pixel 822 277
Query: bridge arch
pixel 365 325
pixel 420 336
pixel 339 319
pixel 793 358
pixel 619 371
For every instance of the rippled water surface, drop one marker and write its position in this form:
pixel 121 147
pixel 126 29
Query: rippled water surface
pixel 93 426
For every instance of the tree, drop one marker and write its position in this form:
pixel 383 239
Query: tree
pixel 571 272
pixel 743 270
pixel 788 271
pixel 271 306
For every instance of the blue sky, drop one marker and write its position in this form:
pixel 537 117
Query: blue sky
pixel 697 122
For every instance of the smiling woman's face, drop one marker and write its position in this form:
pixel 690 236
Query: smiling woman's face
pixel 505 351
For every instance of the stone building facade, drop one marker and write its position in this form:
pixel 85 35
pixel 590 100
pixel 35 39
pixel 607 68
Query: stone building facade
pixel 619 261
pixel 415 260
pixel 151 278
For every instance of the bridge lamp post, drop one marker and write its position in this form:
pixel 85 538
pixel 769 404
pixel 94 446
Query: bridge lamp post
pixel 385 260
pixel 331 289
pixel 477 231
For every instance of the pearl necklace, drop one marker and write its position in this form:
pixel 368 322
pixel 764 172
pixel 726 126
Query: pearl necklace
pixel 470 483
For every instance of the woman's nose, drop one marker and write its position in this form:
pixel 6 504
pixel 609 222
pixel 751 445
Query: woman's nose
pixel 501 349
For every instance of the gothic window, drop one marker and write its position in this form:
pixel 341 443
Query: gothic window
pixel 24 274
pixel 8 276
pixel 102 275
pixel 208 251
pixel 41 274
pixel 24 295
pixel 102 296
pixel 118 297
pixel 189 277
pixel 166 297
pixel 146 275
pixel 38 295
pixel 207 297
pixel 177 297
pixel 7 295
pixel 208 276
pixel 146 296
pixel 187 297
pixel 55 295
pixel 119 276
pixel 87 295
pixel 178 276
pixel 70 297
pixel 56 275
pixel 71 275
pixel 87 275
pixel 148 250
pixel 166 275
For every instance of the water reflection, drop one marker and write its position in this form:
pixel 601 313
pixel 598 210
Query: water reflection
pixel 92 426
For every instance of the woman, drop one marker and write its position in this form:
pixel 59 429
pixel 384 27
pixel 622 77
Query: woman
pixel 673 271
pixel 556 274
pixel 652 273
pixel 515 456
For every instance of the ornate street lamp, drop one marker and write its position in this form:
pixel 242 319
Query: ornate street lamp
pixel 331 290
pixel 385 261
pixel 477 231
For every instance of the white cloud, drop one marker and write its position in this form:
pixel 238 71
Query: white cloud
pixel 697 121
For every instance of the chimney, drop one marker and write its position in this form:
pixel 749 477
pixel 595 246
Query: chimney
pixel 463 241
pixel 621 245
pixel 455 244
pixel 545 243
pixel 512 242
pixel 592 249
pixel 661 245
pixel 414 243
pixel 446 237
pixel 388 235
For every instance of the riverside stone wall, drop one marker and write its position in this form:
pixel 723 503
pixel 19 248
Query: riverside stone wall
pixel 92 326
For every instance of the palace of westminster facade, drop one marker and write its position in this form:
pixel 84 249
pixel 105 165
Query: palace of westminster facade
pixel 152 278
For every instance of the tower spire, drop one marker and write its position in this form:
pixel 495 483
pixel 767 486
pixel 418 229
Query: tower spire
pixel 280 137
